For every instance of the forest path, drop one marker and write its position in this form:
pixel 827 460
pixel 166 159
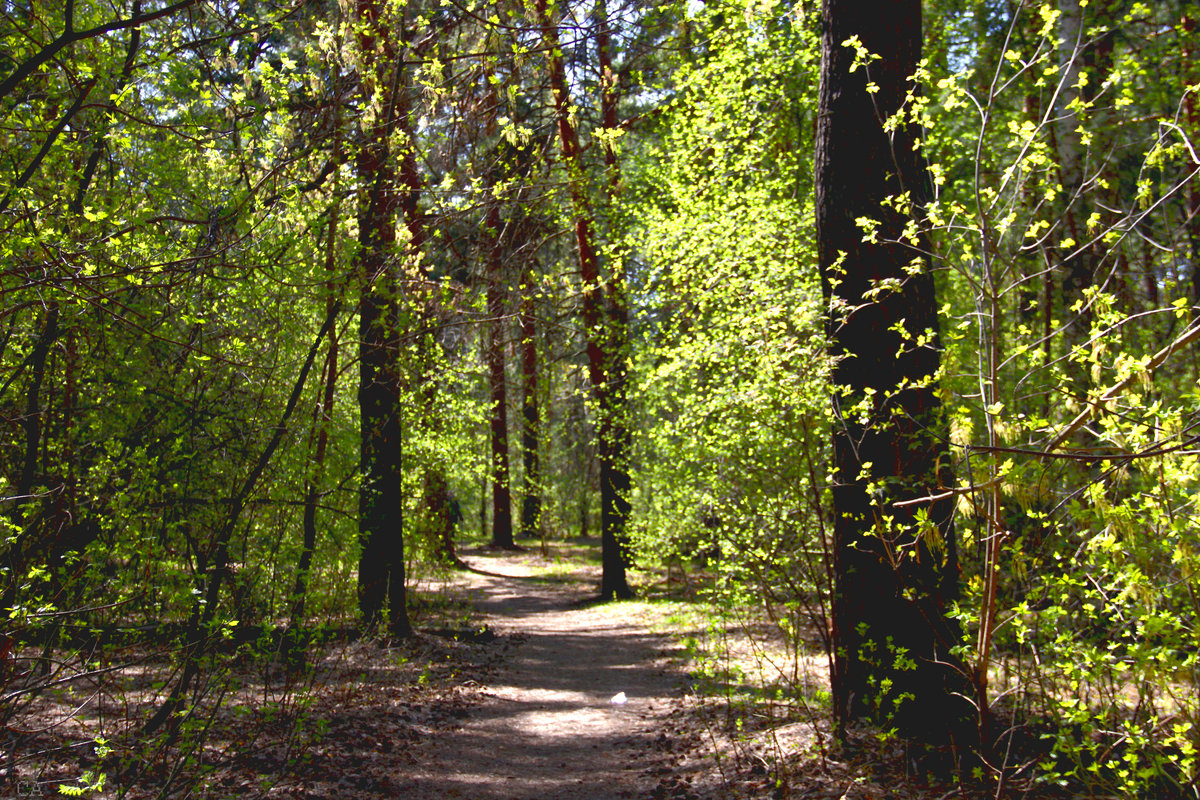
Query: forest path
pixel 544 727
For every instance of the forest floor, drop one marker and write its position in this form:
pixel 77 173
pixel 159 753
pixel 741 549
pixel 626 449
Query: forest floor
pixel 532 708
pixel 518 686
pixel 541 693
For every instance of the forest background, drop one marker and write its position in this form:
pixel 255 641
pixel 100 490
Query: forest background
pixel 285 284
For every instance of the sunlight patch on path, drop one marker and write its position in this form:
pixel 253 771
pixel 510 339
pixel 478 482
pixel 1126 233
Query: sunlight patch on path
pixel 545 728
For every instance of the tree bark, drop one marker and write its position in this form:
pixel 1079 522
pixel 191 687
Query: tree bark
pixel 604 329
pixel 380 527
pixel 895 570
pixel 531 501
pixel 502 524
pixel 615 439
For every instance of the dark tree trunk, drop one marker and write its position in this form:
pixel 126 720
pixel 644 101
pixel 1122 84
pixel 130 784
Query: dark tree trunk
pixel 444 516
pixel 313 488
pixel 380 525
pixel 614 453
pixel 603 320
pixel 531 502
pixel 894 575
pixel 33 420
pixel 615 439
pixel 483 505
pixel 381 560
pixel 502 524
pixel 441 507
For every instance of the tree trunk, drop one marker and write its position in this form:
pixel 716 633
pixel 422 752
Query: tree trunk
pixel 380 526
pixel 444 516
pixel 615 439
pixel 442 511
pixel 895 572
pixel 531 502
pixel 483 504
pixel 603 329
pixel 502 524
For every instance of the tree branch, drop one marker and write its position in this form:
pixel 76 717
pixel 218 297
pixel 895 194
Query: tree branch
pixel 70 36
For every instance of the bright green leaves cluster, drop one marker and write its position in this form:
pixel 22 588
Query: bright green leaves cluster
pixel 730 359
pixel 189 284
pixel 1058 231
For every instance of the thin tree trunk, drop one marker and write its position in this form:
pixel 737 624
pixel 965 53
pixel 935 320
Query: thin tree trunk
pixel 208 600
pixel 484 484
pixel 502 522
pixel 531 503
pixel 615 439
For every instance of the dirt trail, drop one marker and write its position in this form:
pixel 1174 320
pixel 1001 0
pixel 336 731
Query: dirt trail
pixel 545 726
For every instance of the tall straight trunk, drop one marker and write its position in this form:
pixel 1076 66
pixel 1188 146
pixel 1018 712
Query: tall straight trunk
pixel 615 439
pixel 502 523
pixel 531 501
pixel 485 480
pixel 604 331
pixel 484 483
pixel 380 526
pixel 895 574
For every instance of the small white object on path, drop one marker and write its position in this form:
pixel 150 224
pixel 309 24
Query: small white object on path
pixel 619 699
